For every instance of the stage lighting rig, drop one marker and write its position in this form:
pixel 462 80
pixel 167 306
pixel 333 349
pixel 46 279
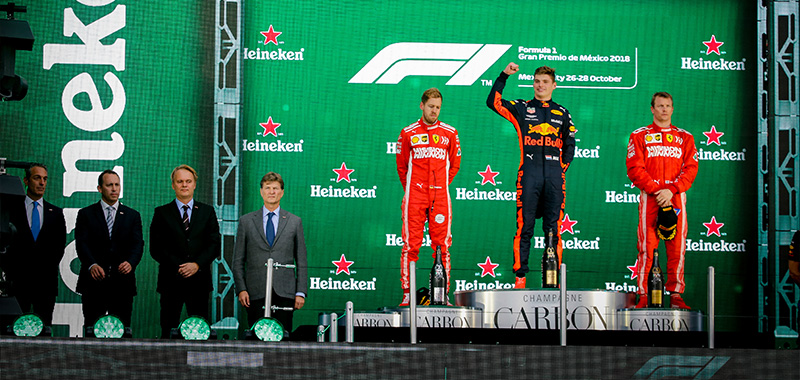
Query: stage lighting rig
pixel 14 35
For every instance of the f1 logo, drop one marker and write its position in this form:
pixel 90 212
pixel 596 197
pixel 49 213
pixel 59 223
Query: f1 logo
pixel 464 63
pixel 673 366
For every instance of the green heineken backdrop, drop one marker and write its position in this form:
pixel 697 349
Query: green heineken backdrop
pixel 327 87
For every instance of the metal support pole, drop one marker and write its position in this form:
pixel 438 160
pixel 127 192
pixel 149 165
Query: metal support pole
pixel 334 328
pixel 348 319
pixel 412 302
pixel 320 333
pixel 268 300
pixel 563 315
pixel 268 308
pixel 711 311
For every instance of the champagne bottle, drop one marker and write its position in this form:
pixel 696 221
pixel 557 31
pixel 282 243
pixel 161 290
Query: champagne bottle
pixel 438 280
pixel 550 262
pixel 655 284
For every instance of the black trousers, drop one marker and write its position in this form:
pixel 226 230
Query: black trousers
pixel 97 303
pixel 43 305
pixel 256 311
pixel 172 302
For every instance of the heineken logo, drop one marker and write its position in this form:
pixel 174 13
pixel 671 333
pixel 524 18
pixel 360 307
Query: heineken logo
pixel 587 153
pixel 483 195
pixel 343 265
pixel 318 283
pixel 712 46
pixel 271 38
pixel 266 129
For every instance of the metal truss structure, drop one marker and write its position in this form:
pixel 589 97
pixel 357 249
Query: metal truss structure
pixel 778 163
pixel 227 107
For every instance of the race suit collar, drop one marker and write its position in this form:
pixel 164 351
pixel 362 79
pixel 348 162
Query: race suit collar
pixel 424 124
pixel 540 103
pixel 655 126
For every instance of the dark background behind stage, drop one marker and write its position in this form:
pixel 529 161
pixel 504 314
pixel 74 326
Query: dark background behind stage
pixel 142 100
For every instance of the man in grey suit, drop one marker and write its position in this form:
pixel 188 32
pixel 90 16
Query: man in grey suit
pixel 270 232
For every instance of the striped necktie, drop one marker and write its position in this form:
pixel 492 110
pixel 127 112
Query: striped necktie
pixel 110 219
pixel 185 218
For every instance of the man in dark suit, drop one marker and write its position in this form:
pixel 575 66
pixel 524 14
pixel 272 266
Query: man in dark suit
pixel 108 238
pixel 36 251
pixel 270 232
pixel 184 239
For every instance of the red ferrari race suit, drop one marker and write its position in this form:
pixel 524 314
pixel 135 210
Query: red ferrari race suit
pixel 428 157
pixel 661 158
pixel 546 136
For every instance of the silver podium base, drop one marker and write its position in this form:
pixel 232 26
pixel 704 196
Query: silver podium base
pixel 441 316
pixel 531 309
pixel 659 320
pixel 539 308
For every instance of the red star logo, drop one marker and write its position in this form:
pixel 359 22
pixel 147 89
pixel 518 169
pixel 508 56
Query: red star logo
pixel 713 136
pixel 488 267
pixel 713 227
pixel 343 265
pixel 270 127
pixel 343 173
pixel 634 269
pixel 713 45
pixel 566 224
pixel 271 35
pixel 488 176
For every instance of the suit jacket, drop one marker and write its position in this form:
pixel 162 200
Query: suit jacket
pixel 95 247
pixel 251 252
pixel 31 265
pixel 171 246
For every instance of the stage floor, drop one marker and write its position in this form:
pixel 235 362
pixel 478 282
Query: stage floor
pixel 533 356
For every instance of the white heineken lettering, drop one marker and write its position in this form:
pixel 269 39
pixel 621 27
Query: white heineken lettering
pixel 77 150
pixel 92 52
pixel 275 146
pixel 391 147
pixel 97 118
pixel 587 153
pixel 664 151
pixel 613 286
pixel 392 240
pixel 273 55
pixel 613 197
pixel 318 191
pixel 481 195
pixel 721 155
pixel 574 243
pixel 464 63
pixel 720 246
pixel 688 63
pixel 349 284
pixel 429 152
pixel 462 285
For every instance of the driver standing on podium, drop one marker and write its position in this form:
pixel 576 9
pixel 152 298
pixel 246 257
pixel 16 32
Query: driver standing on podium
pixel 428 157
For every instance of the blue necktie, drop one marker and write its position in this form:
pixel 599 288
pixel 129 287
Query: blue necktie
pixel 270 229
pixel 35 227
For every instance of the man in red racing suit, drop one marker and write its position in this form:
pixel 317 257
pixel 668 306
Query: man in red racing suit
pixel 428 157
pixel 662 163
